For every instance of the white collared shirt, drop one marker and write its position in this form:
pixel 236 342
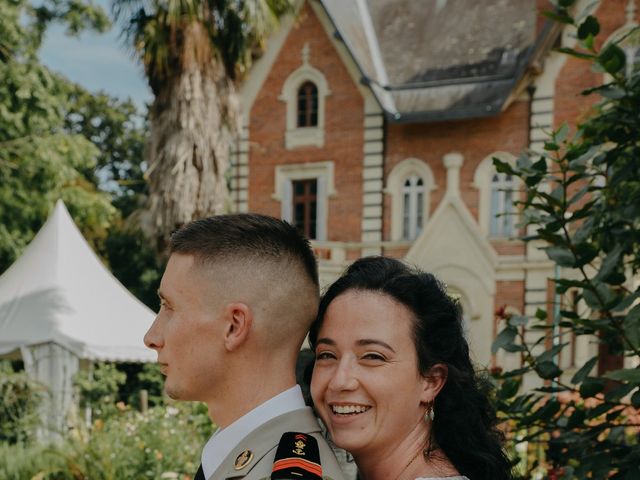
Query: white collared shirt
pixel 223 441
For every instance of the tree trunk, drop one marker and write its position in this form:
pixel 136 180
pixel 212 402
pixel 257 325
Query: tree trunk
pixel 192 126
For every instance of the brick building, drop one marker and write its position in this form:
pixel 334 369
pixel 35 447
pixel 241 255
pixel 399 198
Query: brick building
pixel 371 124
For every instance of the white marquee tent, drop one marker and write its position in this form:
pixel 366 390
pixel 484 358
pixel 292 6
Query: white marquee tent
pixel 59 304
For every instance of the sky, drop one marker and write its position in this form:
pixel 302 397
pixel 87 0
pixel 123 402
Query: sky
pixel 97 61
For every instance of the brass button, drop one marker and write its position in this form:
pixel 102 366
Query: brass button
pixel 243 459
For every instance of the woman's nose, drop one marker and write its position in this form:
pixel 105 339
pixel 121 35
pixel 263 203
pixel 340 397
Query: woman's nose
pixel 345 377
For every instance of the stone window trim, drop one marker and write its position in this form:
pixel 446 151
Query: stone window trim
pixel 395 186
pixel 323 172
pixel 304 136
pixel 482 180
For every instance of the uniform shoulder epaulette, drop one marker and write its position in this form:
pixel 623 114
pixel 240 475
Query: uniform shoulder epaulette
pixel 297 457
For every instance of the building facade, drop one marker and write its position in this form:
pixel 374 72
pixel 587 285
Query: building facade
pixel 372 124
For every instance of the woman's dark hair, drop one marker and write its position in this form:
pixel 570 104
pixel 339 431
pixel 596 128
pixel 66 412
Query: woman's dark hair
pixel 464 426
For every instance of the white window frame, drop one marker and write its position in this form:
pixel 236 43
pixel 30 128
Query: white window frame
pixel 395 187
pixel 482 180
pixel 283 190
pixel 413 191
pixel 304 136
pixel 502 186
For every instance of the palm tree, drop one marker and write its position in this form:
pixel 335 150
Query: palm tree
pixel 193 53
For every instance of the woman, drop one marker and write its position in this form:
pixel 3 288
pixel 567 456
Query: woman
pixel 393 380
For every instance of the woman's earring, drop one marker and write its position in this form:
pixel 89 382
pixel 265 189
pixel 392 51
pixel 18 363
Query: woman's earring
pixel 429 415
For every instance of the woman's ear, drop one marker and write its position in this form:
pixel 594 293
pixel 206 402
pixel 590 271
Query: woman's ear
pixel 433 382
pixel 239 318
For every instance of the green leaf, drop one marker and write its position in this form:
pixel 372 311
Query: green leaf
pixel 591 386
pixel 509 388
pixel 503 167
pixel 505 337
pixel 548 370
pixel 540 166
pixel 600 298
pixel 589 26
pixel 562 256
pixel 631 325
pixel 612 58
pixel 625 375
pixel 610 262
pixel 549 355
pixel 577 418
pixel 581 374
pixel 618 393
pixel 627 301
pixel 585 253
pixel 635 399
pixel 560 135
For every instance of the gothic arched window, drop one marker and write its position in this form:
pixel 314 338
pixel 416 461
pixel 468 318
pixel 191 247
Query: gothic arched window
pixel 308 105
pixel 412 207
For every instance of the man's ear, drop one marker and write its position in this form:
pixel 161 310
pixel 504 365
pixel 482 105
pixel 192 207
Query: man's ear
pixel 239 320
pixel 433 382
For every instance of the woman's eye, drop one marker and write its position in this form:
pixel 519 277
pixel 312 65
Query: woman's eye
pixel 324 356
pixel 374 356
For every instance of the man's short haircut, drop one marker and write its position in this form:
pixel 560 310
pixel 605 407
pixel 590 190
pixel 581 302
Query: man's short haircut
pixel 245 236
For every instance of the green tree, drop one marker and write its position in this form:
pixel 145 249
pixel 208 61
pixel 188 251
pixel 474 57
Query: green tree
pixel 39 160
pixel 117 129
pixel 582 199
pixel 193 51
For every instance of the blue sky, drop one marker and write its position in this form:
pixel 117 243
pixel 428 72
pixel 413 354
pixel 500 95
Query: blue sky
pixel 96 61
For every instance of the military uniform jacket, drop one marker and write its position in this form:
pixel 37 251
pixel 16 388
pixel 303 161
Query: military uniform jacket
pixel 260 447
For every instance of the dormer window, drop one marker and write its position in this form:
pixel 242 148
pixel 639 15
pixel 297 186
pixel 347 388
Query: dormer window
pixel 412 207
pixel 304 92
pixel 308 105
pixel 501 220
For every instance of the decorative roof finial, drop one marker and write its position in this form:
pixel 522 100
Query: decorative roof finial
pixel 305 53
pixel 631 12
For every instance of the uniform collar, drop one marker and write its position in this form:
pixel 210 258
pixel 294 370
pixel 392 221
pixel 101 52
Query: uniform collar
pixel 223 441
pixel 266 438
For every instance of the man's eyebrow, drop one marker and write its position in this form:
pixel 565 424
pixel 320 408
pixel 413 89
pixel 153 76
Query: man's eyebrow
pixel 370 341
pixel 160 295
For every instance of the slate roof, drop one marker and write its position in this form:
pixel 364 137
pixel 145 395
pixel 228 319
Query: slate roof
pixel 438 59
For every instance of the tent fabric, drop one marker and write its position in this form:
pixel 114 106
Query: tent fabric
pixel 59 291
pixel 53 367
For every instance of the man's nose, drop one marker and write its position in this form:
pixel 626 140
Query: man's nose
pixel 153 338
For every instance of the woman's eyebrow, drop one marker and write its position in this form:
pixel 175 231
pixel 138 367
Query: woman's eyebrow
pixel 326 341
pixel 370 341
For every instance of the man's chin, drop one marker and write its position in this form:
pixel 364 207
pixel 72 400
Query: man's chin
pixel 173 393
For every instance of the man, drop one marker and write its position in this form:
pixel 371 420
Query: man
pixel 237 298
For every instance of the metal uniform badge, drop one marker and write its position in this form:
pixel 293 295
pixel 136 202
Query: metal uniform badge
pixel 243 460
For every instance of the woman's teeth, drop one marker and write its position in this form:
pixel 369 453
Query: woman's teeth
pixel 348 409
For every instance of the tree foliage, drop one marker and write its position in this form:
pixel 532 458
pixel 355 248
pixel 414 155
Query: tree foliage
pixel 193 52
pixel 39 160
pixel 582 202
pixel 58 140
